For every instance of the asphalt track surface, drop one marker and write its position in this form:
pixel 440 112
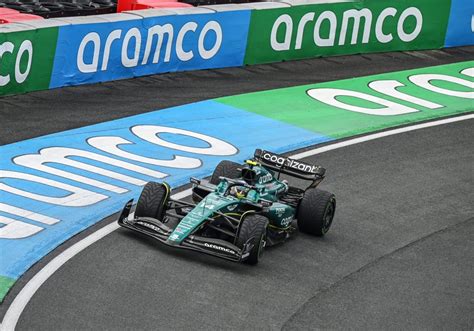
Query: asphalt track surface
pixel 39 113
pixel 399 255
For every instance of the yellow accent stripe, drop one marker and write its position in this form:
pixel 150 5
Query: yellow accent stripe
pixel 248 211
pixel 168 190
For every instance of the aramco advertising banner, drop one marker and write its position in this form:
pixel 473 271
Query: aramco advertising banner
pixel 346 28
pixel 26 60
pixel 100 52
pixel 35 59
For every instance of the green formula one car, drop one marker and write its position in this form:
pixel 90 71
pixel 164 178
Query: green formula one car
pixel 239 211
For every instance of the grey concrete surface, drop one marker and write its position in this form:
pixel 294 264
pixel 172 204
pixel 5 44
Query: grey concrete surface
pixel 399 255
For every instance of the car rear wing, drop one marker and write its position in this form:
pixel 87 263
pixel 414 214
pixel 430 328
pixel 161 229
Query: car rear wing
pixel 289 166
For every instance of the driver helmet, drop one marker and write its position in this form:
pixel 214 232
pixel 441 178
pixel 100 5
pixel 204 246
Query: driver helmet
pixel 239 192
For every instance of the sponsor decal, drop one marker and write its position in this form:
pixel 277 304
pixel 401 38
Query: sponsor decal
pixel 220 248
pixel 286 221
pixel 231 207
pixel 357 18
pixel 294 164
pixel 173 237
pixel 151 226
pixel 100 52
pixel 345 28
pixel 279 211
pixel 265 178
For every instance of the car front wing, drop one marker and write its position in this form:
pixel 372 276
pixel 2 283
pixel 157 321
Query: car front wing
pixel 160 231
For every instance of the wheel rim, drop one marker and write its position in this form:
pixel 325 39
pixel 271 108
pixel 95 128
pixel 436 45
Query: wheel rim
pixel 328 216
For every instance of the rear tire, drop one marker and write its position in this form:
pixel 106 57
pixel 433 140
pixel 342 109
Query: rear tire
pixel 316 212
pixel 254 228
pixel 152 201
pixel 227 169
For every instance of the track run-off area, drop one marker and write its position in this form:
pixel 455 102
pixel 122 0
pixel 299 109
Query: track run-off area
pixel 394 195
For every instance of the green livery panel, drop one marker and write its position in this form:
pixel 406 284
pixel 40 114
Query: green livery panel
pixel 199 215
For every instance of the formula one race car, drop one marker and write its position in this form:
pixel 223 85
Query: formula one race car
pixel 239 211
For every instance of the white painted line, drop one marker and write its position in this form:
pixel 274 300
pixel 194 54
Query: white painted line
pixel 369 137
pixel 21 300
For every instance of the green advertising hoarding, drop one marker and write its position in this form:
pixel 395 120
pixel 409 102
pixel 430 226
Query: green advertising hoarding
pixel 26 60
pixel 317 30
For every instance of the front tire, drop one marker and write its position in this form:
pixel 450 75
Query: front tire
pixel 152 201
pixel 316 212
pixel 253 230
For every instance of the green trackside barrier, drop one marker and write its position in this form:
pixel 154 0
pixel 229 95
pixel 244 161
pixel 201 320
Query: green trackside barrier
pixel 355 106
pixel 366 26
pixel 26 60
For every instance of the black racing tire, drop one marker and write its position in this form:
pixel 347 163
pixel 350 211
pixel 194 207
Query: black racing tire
pixel 254 228
pixel 227 169
pixel 316 212
pixel 152 201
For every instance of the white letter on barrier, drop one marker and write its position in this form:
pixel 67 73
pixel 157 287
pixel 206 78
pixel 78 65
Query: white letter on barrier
pixel 301 25
pixel 6 47
pixel 424 81
pixel 151 133
pixel 158 31
pixel 285 45
pixel 329 97
pixel 126 61
pixel 180 52
pixel 214 26
pixel 25 46
pixel 389 87
pixel 382 37
pixel 114 35
pixel 92 67
pixel 110 145
pixel 415 12
pixel 329 41
pixel 356 15
pixel 78 197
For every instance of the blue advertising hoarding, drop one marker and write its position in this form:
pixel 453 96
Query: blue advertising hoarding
pixel 460 30
pixel 98 52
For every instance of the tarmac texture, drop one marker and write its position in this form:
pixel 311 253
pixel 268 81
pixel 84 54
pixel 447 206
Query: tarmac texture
pixel 400 253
